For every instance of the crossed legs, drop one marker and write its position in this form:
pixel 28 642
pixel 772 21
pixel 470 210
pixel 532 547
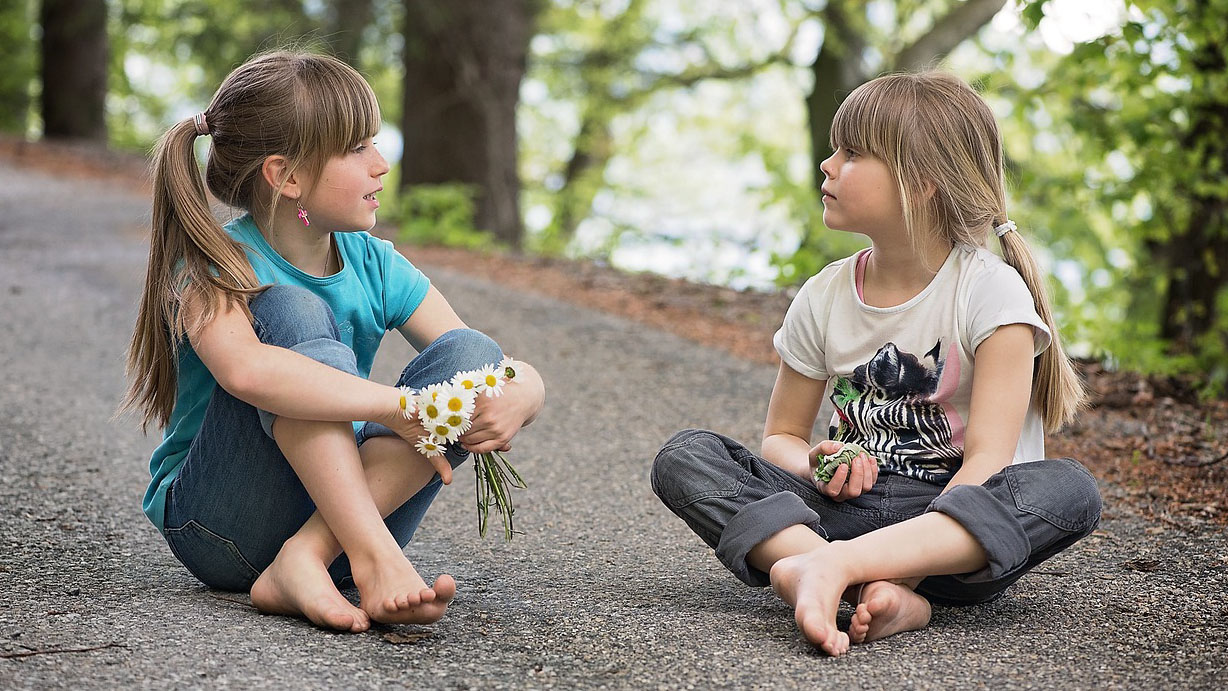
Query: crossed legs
pixel 354 489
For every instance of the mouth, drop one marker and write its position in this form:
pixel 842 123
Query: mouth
pixel 826 193
pixel 371 196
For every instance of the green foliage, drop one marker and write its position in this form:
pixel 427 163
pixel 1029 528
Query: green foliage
pixel 1121 155
pixel 16 64
pixel 439 215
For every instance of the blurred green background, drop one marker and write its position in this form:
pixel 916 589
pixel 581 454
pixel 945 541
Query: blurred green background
pixel 676 135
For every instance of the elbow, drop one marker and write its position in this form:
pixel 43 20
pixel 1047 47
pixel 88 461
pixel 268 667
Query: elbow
pixel 240 381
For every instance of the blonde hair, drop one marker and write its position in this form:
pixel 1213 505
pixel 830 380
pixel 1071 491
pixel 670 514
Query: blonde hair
pixel 941 142
pixel 305 107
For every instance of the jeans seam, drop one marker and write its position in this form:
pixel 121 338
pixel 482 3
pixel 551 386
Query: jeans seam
pixel 226 543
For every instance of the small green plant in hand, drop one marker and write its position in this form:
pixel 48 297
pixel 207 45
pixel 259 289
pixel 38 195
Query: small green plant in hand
pixel 828 463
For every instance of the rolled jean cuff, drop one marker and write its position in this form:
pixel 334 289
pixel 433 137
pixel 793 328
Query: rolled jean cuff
pixel 992 524
pixel 330 352
pixel 455 453
pixel 756 522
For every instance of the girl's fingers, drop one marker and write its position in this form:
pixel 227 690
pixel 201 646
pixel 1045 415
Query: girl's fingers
pixel 442 467
pixel 857 471
pixel 836 485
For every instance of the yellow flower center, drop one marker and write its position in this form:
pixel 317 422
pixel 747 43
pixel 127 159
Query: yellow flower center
pixel 442 430
pixel 455 404
pixel 455 421
pixel 432 411
pixel 491 380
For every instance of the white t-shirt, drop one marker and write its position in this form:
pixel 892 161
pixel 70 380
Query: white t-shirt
pixel 901 377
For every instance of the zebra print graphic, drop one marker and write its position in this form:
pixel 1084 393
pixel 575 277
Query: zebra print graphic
pixel 887 406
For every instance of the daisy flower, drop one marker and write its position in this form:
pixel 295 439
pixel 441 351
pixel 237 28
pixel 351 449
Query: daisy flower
pixel 428 447
pixel 507 368
pixel 455 400
pixel 469 381
pixel 492 381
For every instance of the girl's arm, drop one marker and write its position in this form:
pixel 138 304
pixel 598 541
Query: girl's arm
pixel 288 384
pixel 791 414
pixel 495 420
pixel 1001 393
pixel 790 418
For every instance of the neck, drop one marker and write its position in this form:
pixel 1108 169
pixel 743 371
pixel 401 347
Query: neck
pixel 898 267
pixel 309 250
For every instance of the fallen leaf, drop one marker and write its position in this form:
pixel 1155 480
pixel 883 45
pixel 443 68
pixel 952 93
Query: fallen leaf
pixel 397 638
pixel 1145 565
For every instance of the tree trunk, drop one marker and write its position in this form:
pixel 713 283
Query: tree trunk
pixel 1196 257
pixel 464 60
pixel 346 21
pixel 839 67
pixel 74 69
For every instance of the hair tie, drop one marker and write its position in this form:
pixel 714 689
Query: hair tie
pixel 1005 227
pixel 202 126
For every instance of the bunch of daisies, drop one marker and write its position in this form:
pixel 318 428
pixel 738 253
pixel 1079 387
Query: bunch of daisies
pixel 446 412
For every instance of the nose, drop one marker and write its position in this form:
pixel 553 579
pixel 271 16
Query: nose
pixel 827 166
pixel 381 164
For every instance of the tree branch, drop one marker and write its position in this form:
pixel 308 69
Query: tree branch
pixel 956 26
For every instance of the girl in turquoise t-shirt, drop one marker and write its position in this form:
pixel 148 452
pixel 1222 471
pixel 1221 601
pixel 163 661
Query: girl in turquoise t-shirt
pixel 253 345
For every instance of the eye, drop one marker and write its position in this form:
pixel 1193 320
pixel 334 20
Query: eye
pixel 850 153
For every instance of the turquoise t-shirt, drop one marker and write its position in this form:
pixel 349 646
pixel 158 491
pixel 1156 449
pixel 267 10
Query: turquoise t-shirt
pixel 376 290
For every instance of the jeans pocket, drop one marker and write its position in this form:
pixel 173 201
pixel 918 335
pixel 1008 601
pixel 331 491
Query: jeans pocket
pixel 696 469
pixel 213 559
pixel 1059 491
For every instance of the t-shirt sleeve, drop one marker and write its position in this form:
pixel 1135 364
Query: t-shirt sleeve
pixel 998 298
pixel 799 342
pixel 405 287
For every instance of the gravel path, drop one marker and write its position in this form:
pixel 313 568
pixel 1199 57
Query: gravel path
pixel 605 588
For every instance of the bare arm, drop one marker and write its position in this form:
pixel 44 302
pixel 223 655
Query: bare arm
pixel 495 420
pixel 791 414
pixel 1001 392
pixel 284 382
pixel 786 437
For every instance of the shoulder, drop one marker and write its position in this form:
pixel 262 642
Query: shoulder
pixel 983 269
pixel 834 276
pixel 362 243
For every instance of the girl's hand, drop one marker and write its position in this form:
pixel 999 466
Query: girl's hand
pixel 496 421
pixel 848 481
pixel 411 430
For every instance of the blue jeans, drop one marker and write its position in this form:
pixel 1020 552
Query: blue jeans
pixel 734 500
pixel 236 499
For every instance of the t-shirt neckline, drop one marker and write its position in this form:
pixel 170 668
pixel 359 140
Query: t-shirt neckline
pixel 266 250
pixel 858 275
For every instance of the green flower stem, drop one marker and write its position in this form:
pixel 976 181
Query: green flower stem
pixel 493 483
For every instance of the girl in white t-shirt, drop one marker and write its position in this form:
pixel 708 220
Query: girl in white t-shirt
pixel 950 503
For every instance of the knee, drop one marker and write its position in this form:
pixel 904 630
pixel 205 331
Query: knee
pixel 691 465
pixel 1062 491
pixel 287 315
pixel 468 349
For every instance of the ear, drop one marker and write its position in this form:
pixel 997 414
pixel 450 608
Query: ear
pixel 928 189
pixel 276 173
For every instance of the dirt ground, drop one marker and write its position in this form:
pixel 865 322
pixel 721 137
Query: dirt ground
pixel 1151 438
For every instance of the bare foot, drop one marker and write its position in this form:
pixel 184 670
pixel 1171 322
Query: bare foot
pixel 812 583
pixel 394 593
pixel 886 609
pixel 297 584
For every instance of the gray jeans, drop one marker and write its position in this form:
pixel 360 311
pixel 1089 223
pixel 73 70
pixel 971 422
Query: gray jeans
pixel 734 500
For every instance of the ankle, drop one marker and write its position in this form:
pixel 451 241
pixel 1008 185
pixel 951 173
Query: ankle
pixel 323 551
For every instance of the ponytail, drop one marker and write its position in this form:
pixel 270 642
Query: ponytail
pixel 1057 390
pixel 191 258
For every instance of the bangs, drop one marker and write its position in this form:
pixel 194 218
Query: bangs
pixel 872 119
pixel 341 107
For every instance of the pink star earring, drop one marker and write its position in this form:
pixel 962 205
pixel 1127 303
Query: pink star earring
pixel 302 213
